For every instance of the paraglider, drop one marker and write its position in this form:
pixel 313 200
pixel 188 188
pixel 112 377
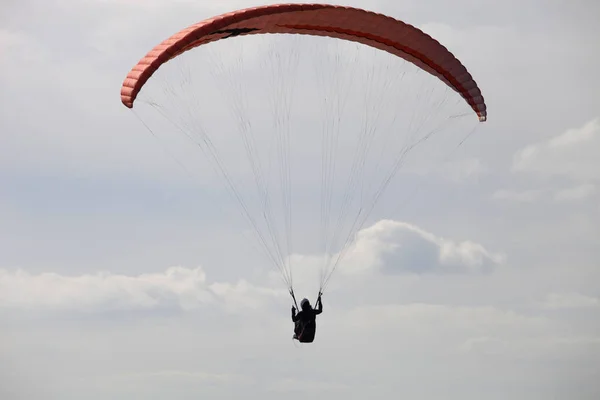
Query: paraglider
pixel 305 323
pixel 401 41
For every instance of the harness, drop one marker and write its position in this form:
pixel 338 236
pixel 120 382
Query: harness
pixel 303 326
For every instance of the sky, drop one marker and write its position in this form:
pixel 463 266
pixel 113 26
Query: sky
pixel 127 270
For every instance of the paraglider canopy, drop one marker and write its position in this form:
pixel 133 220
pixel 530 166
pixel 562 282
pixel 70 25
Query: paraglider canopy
pixel 376 103
pixel 339 22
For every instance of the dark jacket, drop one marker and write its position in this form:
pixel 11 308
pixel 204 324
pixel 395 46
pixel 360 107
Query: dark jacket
pixel 307 313
pixel 305 321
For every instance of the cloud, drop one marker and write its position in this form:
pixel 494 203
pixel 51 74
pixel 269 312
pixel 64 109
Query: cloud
pixel 179 287
pixel 461 171
pixel 389 247
pixel 572 154
pixel 454 317
pixel 487 345
pixel 466 330
pixel 10 40
pixel 464 170
pixel 569 156
pixel 577 193
pixel 394 247
pixel 537 346
pixel 469 331
pixel 560 301
pixel 244 295
pixel 565 195
pixel 182 375
pixel 526 196
pixel 309 386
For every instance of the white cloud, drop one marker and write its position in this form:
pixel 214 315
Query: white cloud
pixel 526 196
pixel 393 247
pixel 466 330
pixel 572 154
pixel 565 195
pixel 244 295
pixel 470 331
pixel 10 40
pixel 386 247
pixel 455 317
pixel 576 193
pixel 488 345
pixel 177 286
pixel 558 301
pixel 193 376
pixel 463 170
pixel 306 386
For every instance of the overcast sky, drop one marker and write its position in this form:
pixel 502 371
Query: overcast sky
pixel 123 277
